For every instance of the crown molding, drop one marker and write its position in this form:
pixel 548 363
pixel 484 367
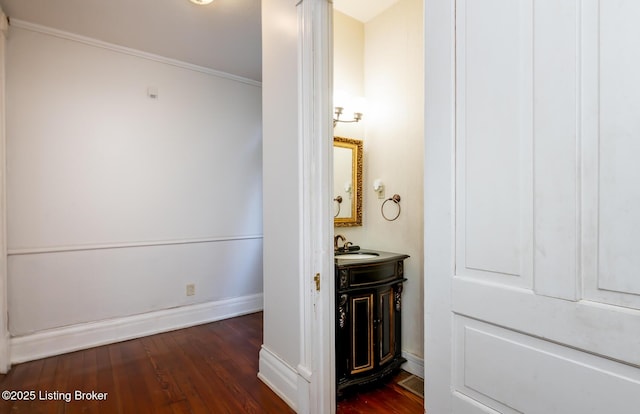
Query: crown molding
pixel 129 51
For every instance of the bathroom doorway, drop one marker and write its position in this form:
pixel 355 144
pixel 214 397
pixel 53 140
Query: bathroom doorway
pixel 379 72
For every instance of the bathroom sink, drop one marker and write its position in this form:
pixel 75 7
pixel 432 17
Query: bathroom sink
pixel 357 255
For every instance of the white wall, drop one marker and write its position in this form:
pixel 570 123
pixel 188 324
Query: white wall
pixel 393 144
pixel 282 244
pixel 348 70
pixel 116 201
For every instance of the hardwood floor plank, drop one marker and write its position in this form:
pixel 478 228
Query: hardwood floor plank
pixel 210 368
pixel 206 382
pixel 161 367
pixel 45 382
pixel 155 398
pixel 130 385
pixel 185 380
pixel 235 398
pixel 25 380
pixel 105 381
pixel 387 398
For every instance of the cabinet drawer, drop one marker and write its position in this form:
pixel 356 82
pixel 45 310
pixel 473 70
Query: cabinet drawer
pixel 360 276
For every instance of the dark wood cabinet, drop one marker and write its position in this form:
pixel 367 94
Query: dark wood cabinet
pixel 368 318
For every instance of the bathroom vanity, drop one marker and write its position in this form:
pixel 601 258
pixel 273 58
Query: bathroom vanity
pixel 368 309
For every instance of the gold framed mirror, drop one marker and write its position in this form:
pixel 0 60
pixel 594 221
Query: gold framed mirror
pixel 347 182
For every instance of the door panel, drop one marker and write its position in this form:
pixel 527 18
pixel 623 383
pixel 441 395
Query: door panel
pixel 494 130
pixel 386 328
pixel 605 330
pixel 516 373
pixel 610 90
pixel 362 333
pixel 617 104
pixel 555 144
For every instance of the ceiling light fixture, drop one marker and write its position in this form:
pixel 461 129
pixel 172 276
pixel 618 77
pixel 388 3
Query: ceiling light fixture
pixel 201 2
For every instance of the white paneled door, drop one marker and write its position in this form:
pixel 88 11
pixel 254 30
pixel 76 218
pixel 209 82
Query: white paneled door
pixel 532 221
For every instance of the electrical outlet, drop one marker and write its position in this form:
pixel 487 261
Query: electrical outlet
pixel 191 289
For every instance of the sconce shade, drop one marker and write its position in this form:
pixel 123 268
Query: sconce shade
pixel 201 2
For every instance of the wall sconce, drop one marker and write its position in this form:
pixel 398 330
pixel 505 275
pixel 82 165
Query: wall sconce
pixel 348 188
pixel 378 187
pixel 357 116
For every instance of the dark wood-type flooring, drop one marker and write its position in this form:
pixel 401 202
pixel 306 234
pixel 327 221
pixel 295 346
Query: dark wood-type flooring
pixel 208 368
pixel 387 398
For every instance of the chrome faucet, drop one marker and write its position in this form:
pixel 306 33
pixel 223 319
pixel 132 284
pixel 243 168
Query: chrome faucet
pixel 335 241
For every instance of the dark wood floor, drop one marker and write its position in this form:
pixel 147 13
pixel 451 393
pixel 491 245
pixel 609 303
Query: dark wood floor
pixel 388 398
pixel 209 368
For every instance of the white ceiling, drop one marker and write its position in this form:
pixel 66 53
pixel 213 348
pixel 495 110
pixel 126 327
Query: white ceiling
pixel 362 10
pixel 224 35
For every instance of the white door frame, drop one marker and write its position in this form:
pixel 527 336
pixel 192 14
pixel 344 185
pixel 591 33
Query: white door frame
pixel 439 199
pixel 316 373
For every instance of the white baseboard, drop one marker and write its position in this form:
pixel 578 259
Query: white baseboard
pixel 279 376
pixel 414 364
pixel 87 335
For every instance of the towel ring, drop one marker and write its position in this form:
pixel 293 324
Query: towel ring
pixel 339 200
pixel 396 200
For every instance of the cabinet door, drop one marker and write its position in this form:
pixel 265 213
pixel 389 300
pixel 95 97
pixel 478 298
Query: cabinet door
pixel 386 325
pixel 361 332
